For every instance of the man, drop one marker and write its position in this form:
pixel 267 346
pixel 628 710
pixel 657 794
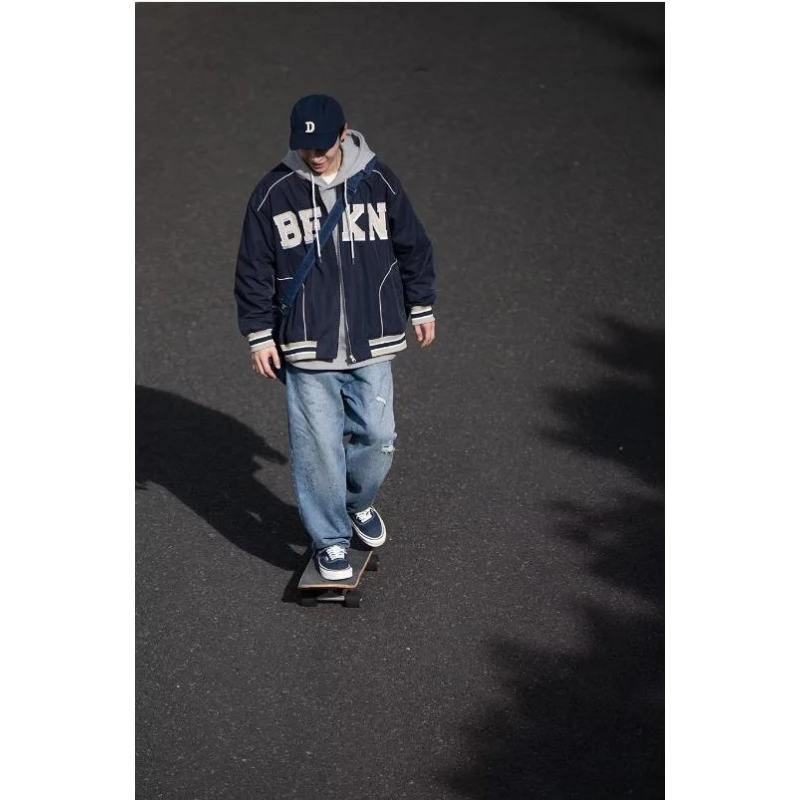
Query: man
pixel 325 309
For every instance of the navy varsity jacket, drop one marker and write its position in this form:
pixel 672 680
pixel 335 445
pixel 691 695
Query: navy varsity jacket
pixel 377 268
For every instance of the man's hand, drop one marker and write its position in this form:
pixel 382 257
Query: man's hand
pixel 266 361
pixel 426 332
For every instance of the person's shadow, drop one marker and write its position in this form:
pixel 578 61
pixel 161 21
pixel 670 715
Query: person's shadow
pixel 208 461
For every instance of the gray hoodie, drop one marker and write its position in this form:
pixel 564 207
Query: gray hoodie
pixel 355 156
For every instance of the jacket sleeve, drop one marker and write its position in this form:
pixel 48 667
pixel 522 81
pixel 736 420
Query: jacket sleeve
pixel 254 285
pixel 413 249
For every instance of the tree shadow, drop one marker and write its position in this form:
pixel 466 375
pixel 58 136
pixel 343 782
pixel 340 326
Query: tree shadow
pixel 208 461
pixel 621 417
pixel 590 726
pixel 573 728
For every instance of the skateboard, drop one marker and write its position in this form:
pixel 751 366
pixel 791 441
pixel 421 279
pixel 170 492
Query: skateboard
pixel 315 589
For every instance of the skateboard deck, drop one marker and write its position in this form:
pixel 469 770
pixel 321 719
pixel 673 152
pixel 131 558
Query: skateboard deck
pixel 314 588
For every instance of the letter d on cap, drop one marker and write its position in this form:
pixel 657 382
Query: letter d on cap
pixel 310 127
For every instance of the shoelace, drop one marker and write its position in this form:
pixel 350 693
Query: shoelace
pixel 335 552
pixel 364 516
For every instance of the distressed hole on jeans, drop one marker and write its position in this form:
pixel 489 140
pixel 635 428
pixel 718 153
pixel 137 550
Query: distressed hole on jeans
pixel 380 399
pixel 388 448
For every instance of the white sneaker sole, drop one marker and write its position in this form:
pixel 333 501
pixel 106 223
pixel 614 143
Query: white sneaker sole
pixel 335 574
pixel 368 540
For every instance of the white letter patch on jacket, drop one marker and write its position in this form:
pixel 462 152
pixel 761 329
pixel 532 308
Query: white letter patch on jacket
pixel 306 218
pixel 291 234
pixel 377 222
pixel 288 229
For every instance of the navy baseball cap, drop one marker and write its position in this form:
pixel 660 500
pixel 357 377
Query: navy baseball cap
pixel 315 123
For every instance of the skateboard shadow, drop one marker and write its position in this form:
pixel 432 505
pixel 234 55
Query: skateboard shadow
pixel 208 460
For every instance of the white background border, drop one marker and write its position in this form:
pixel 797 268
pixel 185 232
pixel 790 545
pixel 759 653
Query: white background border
pixel 732 403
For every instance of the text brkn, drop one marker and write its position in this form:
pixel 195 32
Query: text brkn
pixel 293 231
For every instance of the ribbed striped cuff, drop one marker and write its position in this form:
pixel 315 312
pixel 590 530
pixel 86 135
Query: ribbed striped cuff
pixel 260 339
pixel 420 314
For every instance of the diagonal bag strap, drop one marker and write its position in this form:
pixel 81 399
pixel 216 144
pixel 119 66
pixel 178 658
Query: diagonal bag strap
pixel 323 235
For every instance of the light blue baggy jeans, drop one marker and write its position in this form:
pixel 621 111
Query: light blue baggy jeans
pixel 332 476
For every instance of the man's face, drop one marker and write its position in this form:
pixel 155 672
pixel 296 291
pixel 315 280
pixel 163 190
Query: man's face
pixel 323 161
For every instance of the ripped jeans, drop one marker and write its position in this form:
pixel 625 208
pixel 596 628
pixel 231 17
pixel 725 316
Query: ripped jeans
pixel 331 476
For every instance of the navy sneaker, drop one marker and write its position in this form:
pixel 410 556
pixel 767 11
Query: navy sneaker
pixel 332 563
pixel 369 526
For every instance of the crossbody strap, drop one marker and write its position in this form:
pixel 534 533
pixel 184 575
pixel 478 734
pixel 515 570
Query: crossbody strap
pixel 323 235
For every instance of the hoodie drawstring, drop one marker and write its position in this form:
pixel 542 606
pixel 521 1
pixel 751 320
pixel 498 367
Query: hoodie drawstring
pixel 349 227
pixel 316 219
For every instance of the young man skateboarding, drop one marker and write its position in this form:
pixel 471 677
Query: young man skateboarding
pixel 332 263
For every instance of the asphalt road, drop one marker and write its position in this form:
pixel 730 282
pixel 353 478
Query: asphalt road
pixel 512 644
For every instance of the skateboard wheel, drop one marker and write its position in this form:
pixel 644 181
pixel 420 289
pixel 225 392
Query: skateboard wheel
pixel 308 601
pixel 353 599
pixel 373 563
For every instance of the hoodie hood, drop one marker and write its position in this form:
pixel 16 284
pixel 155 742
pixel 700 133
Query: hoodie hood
pixel 356 154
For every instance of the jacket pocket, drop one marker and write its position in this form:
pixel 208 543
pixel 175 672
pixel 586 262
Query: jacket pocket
pixel 387 301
